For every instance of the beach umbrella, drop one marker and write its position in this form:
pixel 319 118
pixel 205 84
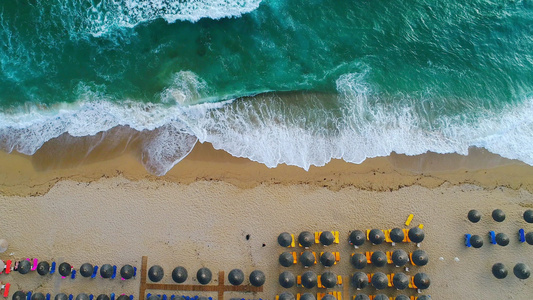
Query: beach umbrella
pixel 285 239
pixel 522 271
pixel 124 297
pixel 102 297
pixel 64 269
pixel 24 266
pixel 359 280
pixel 179 274
pixel 287 279
pixel 357 238
pixel 19 295
pixel 153 297
pixel 257 278
pixel 82 296
pixel 307 259
pixel 400 281
pixel 328 279
pixel 529 237
pixel 127 271
pixel 423 297
pixel 326 238
pixel 400 257
pixel 380 280
pixel 306 239
pixel 286 296
pixel 327 259
pixel 379 259
pixel 474 216
pixel 328 297
pixel 43 268
pixel 63 296
pixel 2 265
pixel 38 296
pixel 361 297
pixel 358 260
pixel 528 216
pixel 376 236
pixel 3 245
pixel 381 297
pixel 502 239
pixel 498 215
pixel 499 270
pixel 202 298
pixel 422 281
pixel 236 276
pixel 307 296
pixel 420 257
pixel 204 275
pixel 286 259
pixel 396 235
pixel 401 297
pixel 86 270
pixel 476 241
pixel 156 273
pixel 106 271
pixel 416 235
pixel 309 279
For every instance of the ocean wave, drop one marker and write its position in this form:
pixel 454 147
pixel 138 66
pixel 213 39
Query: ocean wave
pixel 297 129
pixel 100 16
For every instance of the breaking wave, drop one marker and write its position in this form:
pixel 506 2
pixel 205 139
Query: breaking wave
pixel 295 128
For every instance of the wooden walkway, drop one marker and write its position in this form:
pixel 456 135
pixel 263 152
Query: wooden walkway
pixel 220 288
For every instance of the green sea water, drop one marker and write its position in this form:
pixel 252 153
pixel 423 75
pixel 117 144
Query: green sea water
pixel 325 79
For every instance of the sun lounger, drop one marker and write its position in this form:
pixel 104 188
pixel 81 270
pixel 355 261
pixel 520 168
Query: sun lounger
pixel 389 277
pixel 34 262
pixel 337 257
pixel 95 272
pixel 369 257
pixel 164 297
pixel 492 237
pixel 317 237
pixel 295 256
pixel 467 240
pixel 339 280
pixel 73 274
pixel 522 235
pixel 28 296
pixel 70 297
pixel 53 268
pixel 134 271
pixel 48 296
pixel 7 269
pixel 5 287
pixel 406 236
pixel 409 219
pixel 91 297
pixel 389 257
pixel 171 297
pixel 336 235
pixel 131 297
pixel 115 273
pixel 112 296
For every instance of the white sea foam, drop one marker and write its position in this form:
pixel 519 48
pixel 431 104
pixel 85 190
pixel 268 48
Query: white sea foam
pixel 271 130
pixel 101 16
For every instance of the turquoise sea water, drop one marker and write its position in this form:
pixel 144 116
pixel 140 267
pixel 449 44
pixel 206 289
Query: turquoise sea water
pixel 295 82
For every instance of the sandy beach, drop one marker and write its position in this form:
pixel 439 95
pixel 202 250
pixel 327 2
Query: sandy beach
pixel 200 214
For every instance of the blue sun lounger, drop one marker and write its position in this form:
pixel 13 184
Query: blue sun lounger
pixel 492 237
pixel 467 240
pixel 53 268
pixel 522 235
pixel 95 272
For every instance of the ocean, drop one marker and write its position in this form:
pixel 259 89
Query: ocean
pixel 276 81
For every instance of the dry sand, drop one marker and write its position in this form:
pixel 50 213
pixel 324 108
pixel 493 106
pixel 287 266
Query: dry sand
pixel 200 213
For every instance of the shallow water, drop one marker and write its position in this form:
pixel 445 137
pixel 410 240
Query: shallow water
pixel 288 82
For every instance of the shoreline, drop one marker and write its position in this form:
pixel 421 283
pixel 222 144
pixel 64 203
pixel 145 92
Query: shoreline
pixel 35 175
